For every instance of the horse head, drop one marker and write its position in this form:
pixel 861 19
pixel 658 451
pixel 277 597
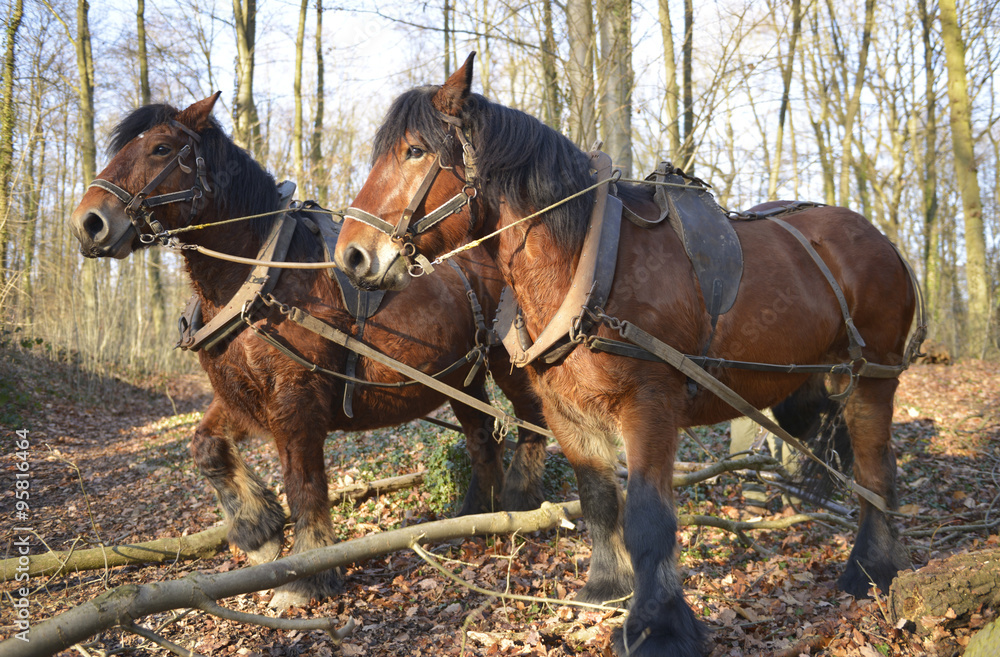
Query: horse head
pixel 420 198
pixel 155 181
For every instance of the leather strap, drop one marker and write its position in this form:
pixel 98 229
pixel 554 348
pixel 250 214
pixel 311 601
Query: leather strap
pixel 855 341
pixel 260 281
pixel 591 282
pixel 321 328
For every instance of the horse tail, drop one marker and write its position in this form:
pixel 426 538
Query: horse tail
pixel 818 421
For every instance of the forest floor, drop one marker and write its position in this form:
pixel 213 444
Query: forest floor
pixel 110 463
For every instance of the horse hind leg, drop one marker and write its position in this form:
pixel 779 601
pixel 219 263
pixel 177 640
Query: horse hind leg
pixel 523 489
pixel 254 514
pixel 485 453
pixel 877 554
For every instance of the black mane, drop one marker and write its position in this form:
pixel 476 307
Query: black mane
pixel 519 159
pixel 240 185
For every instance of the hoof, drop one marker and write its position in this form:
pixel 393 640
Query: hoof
pixel 475 504
pixel 521 499
pixel 673 633
pixel 267 552
pixel 282 600
pixel 605 593
pixel 651 644
pixel 300 592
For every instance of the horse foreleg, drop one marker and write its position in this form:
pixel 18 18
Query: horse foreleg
pixel 522 488
pixel 303 469
pixel 485 453
pixel 877 555
pixel 255 516
pixel 659 621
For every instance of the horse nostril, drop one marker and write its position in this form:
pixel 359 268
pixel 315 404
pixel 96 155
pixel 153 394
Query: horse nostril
pixel 93 225
pixel 356 260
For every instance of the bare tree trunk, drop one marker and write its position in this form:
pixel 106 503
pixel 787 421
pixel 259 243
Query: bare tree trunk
pixel 786 85
pixel 154 261
pixel 140 19
pixel 671 95
pixel 88 145
pixel 297 154
pixel 615 18
pixel 246 122
pixel 580 71
pixel 932 228
pixel 854 105
pixel 551 108
pixel 687 52
pixel 976 338
pixel 36 169
pixel 448 38
pixel 7 117
pixel 318 174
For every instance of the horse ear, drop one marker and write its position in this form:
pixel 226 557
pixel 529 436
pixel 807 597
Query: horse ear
pixel 198 116
pixel 452 94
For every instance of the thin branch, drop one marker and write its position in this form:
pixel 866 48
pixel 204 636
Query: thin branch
pixel 328 625
pixel 152 636
pixel 432 562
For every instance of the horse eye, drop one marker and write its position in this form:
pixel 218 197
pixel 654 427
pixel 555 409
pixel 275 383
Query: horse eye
pixel 414 153
pixel 161 149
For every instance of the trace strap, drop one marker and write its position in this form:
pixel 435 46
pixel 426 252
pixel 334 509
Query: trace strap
pixel 681 362
pixel 321 328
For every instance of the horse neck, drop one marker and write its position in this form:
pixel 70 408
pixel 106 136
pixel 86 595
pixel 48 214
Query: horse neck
pixel 535 268
pixel 215 280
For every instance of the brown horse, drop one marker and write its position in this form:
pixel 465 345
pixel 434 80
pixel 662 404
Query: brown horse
pixel 260 391
pixel 785 312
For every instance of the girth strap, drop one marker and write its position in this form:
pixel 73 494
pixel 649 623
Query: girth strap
pixel 856 342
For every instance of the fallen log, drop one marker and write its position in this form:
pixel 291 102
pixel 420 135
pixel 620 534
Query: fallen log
pixel 203 545
pixel 946 592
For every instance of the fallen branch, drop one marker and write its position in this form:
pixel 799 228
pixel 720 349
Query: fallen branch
pixel 122 606
pixel 125 604
pixel 203 545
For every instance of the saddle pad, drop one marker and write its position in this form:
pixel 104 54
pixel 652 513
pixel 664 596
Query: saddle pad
pixel 708 236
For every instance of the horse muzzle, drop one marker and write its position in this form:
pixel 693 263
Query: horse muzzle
pixel 98 235
pixel 368 269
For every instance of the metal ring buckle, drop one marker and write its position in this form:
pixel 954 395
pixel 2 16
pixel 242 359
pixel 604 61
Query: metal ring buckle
pixel 415 270
pixel 147 238
pixel 407 249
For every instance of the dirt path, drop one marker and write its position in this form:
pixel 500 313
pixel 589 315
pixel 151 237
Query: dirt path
pixel 136 482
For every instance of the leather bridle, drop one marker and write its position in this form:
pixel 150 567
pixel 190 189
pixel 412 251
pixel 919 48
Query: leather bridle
pixel 404 230
pixel 139 207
